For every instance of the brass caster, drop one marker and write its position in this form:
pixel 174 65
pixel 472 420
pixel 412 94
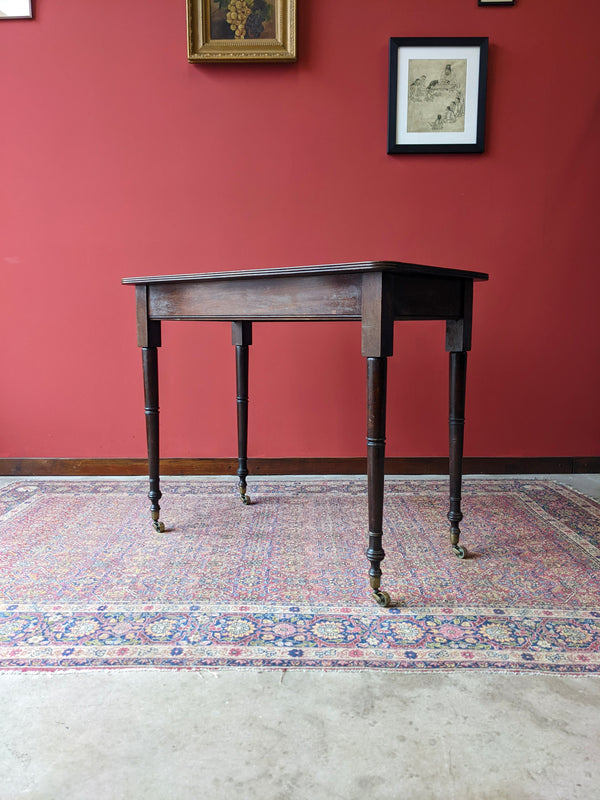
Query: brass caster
pixel 459 551
pixel 159 526
pixel 246 499
pixel 382 598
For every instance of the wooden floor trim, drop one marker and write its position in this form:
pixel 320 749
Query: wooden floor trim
pixel 293 466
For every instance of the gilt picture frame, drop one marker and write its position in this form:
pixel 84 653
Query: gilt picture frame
pixel 241 31
pixel 16 9
pixel 437 95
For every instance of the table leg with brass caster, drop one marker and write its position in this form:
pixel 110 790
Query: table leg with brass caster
pixel 458 374
pixel 381 598
pixel 241 334
pixel 158 525
pixel 376 401
pixel 244 497
pixel 150 368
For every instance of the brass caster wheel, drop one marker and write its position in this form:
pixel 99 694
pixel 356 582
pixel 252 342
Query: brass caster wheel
pixel 246 500
pixel 159 526
pixel 459 551
pixel 382 598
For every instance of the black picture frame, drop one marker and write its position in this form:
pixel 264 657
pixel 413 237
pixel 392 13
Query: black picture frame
pixel 495 2
pixel 437 94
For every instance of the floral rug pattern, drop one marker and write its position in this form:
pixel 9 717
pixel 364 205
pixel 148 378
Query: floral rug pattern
pixel 86 582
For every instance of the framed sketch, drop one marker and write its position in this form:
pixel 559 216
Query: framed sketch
pixel 437 92
pixel 241 30
pixel 495 2
pixel 15 9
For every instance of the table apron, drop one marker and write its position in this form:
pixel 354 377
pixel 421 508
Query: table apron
pixel 324 297
pixel 328 296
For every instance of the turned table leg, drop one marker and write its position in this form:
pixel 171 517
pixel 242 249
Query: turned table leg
pixel 376 407
pixel 242 338
pixel 458 381
pixel 150 367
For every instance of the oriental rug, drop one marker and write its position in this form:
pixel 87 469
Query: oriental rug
pixel 86 581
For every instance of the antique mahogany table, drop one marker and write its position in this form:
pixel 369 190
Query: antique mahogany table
pixel 377 293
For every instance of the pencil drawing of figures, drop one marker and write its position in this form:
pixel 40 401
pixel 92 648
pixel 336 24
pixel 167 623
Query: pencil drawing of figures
pixel 436 95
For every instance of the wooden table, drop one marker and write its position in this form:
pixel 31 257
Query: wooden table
pixel 375 292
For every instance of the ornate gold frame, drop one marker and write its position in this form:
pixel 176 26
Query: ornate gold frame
pixel 203 48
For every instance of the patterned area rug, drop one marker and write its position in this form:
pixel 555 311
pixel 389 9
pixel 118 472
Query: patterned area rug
pixel 85 581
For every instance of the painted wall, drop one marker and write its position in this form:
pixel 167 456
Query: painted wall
pixel 119 158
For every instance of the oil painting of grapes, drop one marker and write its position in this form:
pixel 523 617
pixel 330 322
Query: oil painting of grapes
pixel 241 30
pixel 242 19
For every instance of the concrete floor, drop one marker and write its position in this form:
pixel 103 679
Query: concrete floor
pixel 152 735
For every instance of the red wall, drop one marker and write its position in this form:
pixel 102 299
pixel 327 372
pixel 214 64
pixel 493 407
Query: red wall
pixel 119 158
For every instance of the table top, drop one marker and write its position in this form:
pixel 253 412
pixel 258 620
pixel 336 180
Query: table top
pixel 396 267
